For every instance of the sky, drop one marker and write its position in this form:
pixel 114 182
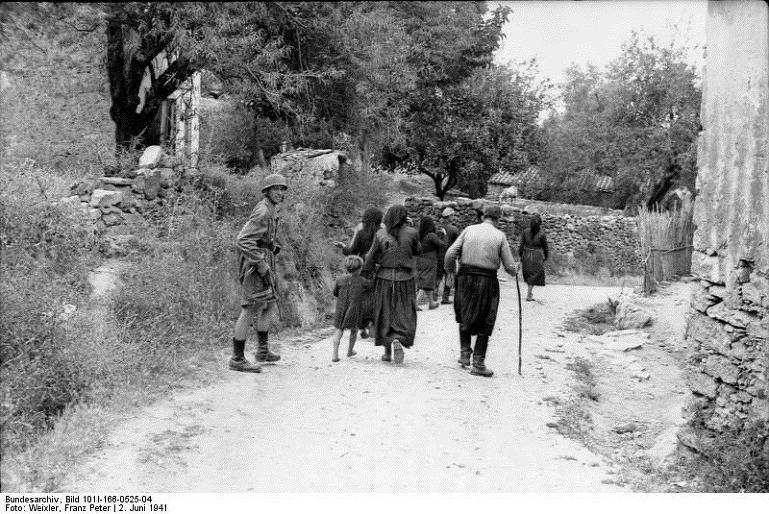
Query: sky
pixel 558 33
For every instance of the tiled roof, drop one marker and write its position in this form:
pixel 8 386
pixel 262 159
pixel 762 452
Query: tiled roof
pixel 589 181
pixel 503 178
pixel 506 178
pixel 585 180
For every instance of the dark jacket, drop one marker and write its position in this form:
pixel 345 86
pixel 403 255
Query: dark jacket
pixel 395 258
pixel 360 244
pixel 535 242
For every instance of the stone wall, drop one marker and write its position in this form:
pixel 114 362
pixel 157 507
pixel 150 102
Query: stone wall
pixel 610 242
pixel 117 206
pixel 729 325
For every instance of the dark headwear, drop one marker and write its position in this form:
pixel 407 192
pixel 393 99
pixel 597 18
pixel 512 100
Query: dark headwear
pixel 535 222
pixel 426 225
pixel 394 219
pixel 492 211
pixel 372 216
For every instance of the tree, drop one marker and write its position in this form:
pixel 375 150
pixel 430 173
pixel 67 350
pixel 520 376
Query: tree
pixel 465 133
pixel 443 129
pixel 636 121
pixel 137 33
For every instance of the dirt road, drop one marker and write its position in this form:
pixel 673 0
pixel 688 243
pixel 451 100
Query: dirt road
pixel 361 425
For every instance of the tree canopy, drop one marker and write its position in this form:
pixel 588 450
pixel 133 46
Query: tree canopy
pixel 636 121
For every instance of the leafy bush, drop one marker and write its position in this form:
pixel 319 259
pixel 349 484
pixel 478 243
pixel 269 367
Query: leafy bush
pixel 46 250
pixel 735 461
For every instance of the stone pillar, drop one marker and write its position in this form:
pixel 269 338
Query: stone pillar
pixel 186 121
pixel 729 324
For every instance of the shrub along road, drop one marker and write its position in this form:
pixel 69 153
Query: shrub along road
pixel 362 425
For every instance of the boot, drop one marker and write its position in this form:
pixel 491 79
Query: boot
pixel 479 367
pixel 445 300
pixel 464 357
pixel 387 357
pixel 242 364
pixel 264 354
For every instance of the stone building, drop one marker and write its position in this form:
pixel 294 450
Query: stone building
pixel 322 167
pixel 729 324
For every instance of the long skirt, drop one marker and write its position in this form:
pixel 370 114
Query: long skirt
pixel 395 311
pixel 427 270
pixel 476 300
pixel 533 266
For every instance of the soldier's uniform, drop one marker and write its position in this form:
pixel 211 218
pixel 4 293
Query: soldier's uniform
pixel 256 250
pixel 256 254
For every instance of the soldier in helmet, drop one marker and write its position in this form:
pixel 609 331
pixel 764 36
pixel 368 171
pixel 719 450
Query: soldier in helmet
pixel 257 248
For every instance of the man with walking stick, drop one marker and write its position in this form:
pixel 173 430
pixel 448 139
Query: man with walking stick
pixel 479 249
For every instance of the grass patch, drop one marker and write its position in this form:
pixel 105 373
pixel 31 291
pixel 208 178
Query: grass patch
pixel 595 320
pixel 736 461
pixel 586 382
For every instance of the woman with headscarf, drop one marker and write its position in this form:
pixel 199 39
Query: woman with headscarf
pixel 395 314
pixel 427 263
pixel 360 245
pixel 533 253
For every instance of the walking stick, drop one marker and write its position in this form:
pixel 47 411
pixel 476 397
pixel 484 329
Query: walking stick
pixel 520 323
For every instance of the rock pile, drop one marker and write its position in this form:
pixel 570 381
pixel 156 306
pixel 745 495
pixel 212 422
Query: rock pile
pixel 121 201
pixel 613 239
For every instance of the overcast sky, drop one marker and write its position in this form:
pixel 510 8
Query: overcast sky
pixel 558 33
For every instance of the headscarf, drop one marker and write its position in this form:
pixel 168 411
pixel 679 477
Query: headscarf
pixel 394 219
pixel 534 223
pixel 426 226
pixel 372 218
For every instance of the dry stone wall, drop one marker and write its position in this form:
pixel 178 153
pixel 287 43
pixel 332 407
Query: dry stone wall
pixel 612 240
pixel 117 206
pixel 729 323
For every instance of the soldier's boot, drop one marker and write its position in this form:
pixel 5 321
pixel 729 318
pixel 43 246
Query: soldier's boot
pixel 479 367
pixel 263 354
pixel 445 300
pixel 244 365
pixel 238 362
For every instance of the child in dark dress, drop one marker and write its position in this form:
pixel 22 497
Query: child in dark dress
pixel 348 291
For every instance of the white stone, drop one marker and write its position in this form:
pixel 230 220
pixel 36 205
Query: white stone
pixel 151 157
pixel 632 316
pixel 67 311
pixel 105 198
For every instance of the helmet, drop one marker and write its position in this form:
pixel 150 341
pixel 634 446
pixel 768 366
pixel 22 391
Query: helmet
pixel 276 179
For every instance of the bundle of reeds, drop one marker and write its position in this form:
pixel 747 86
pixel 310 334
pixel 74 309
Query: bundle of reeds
pixel 666 238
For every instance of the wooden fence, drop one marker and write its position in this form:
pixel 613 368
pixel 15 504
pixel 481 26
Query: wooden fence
pixel 666 244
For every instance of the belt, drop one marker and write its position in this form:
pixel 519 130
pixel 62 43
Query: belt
pixel 467 269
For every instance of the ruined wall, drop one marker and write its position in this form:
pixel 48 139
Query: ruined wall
pixel 729 325
pixel 581 243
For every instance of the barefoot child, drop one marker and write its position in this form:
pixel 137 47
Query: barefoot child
pixel 348 291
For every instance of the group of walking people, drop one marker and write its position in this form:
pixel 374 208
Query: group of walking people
pixel 391 266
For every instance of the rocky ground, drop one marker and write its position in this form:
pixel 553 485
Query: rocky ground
pixel 307 425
